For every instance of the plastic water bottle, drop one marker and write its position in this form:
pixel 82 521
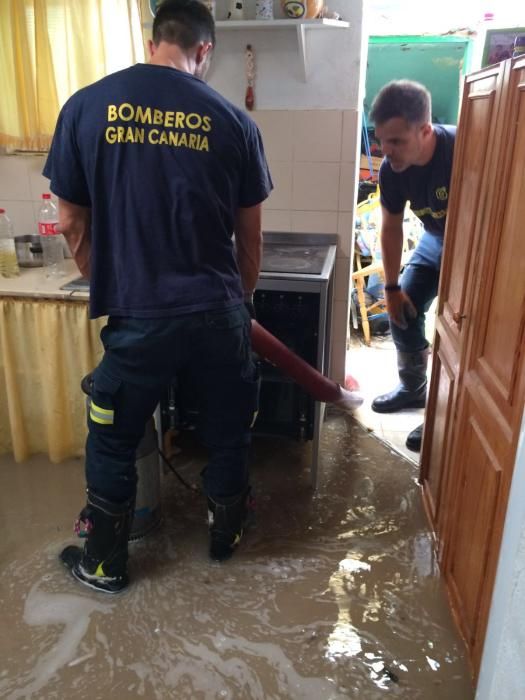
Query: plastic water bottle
pixel 8 260
pixel 54 219
pixel 51 239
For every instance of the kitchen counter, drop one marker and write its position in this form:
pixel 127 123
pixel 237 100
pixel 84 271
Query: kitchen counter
pixel 33 283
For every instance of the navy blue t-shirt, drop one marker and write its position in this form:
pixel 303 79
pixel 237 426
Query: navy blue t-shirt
pixel 426 187
pixel 164 162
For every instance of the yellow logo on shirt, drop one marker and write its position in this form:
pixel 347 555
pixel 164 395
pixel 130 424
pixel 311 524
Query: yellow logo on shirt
pixel 427 211
pixel 179 129
pixel 441 193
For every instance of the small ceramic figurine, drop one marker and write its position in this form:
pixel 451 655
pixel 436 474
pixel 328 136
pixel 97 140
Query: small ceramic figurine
pixel 327 13
pixel 263 9
pixel 249 57
pixel 302 9
pixel 236 10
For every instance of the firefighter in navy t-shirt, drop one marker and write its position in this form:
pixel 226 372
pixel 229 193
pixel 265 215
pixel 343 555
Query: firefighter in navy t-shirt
pixel 417 169
pixel 154 172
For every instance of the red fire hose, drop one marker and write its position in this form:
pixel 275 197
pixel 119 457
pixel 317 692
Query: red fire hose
pixel 316 384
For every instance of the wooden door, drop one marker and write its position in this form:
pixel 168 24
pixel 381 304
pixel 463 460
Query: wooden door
pixel 492 393
pixel 478 382
pixel 472 171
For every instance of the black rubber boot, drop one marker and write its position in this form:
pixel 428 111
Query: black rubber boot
pixel 227 518
pixel 411 392
pixel 102 563
pixel 413 441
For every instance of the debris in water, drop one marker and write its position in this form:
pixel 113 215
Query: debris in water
pixel 390 674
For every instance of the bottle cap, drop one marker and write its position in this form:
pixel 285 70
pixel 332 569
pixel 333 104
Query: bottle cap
pixel 46 196
pixel 2 211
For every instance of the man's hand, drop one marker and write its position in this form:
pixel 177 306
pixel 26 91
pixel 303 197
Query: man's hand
pixel 400 307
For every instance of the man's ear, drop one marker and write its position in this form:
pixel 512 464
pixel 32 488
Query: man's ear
pixel 426 129
pixel 203 49
pixel 151 48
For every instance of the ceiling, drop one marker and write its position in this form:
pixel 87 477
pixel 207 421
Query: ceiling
pixel 410 17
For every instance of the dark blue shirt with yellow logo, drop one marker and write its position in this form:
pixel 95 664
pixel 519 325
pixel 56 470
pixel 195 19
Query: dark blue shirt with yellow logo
pixel 164 162
pixel 426 187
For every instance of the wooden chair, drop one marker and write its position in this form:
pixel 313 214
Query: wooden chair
pixel 359 279
pixel 369 212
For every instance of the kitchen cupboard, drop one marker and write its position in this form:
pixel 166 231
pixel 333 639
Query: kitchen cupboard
pixel 477 389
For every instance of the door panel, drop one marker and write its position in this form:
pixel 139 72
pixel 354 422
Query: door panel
pixel 469 552
pixel 440 398
pixel 468 200
pixel 499 343
pixel 467 207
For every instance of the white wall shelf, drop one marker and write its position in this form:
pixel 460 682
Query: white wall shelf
pixel 281 23
pixel 300 26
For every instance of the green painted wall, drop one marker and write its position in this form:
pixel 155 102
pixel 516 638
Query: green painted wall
pixel 436 61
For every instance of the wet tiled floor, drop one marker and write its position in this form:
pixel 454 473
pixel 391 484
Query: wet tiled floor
pixel 333 594
pixel 375 368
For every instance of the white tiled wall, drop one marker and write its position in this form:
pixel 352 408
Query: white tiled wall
pixel 21 189
pixel 312 156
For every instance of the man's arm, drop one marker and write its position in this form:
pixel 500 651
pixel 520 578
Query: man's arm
pixel 248 242
pixel 391 244
pixel 397 302
pixel 74 222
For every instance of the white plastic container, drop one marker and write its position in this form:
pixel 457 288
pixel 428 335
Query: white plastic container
pixel 8 260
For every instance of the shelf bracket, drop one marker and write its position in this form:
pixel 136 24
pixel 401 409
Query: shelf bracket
pixel 301 41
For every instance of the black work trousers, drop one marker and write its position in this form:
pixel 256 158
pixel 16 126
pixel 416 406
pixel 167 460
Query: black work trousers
pixel 212 350
pixel 421 283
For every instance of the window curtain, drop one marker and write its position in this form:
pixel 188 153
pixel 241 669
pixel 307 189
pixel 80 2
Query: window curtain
pixel 51 48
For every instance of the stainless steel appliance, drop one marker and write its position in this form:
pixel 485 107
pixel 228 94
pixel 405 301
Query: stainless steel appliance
pixel 29 251
pixel 293 300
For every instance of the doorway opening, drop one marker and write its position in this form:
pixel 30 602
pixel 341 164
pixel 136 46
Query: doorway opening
pixel 371 353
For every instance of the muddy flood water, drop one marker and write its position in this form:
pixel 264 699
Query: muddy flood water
pixel 332 595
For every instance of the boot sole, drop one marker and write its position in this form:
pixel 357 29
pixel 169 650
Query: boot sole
pixel 88 584
pixel 420 403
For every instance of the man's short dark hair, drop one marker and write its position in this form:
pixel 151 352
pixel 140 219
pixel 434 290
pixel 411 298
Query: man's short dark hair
pixel 183 22
pixel 402 98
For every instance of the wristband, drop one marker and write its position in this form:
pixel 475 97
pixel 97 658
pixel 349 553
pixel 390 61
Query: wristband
pixel 392 288
pixel 248 297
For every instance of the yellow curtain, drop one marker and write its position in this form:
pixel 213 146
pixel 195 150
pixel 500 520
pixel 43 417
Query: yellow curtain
pixel 51 48
pixel 46 347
